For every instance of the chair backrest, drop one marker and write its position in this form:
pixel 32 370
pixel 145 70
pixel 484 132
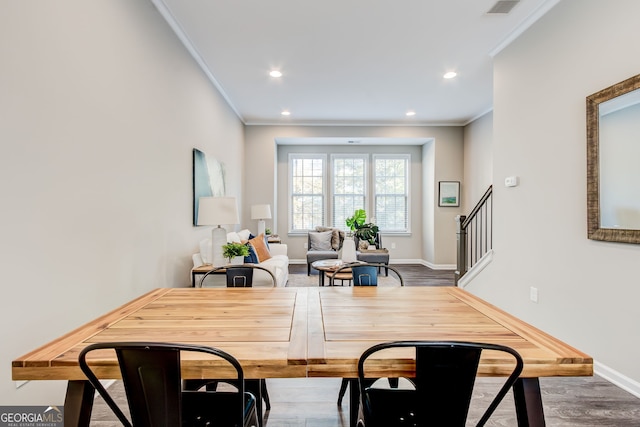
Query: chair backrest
pixel 239 276
pixel 445 374
pixel 364 275
pixel 153 385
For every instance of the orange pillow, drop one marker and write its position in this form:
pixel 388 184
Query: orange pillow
pixel 260 248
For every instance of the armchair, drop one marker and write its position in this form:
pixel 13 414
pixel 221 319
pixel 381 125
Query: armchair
pixel 379 256
pixel 323 243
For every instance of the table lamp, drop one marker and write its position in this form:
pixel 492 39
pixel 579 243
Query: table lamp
pixel 261 212
pixel 217 211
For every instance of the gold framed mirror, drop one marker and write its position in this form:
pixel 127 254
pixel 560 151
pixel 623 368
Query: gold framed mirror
pixel 613 172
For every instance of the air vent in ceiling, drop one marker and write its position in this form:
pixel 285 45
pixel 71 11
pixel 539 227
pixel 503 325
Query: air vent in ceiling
pixel 353 141
pixel 502 7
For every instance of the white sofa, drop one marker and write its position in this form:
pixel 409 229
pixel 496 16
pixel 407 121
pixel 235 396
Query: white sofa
pixel 278 264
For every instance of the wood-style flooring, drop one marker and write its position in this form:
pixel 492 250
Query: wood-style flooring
pixel 568 402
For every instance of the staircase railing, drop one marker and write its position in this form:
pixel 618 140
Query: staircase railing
pixel 474 234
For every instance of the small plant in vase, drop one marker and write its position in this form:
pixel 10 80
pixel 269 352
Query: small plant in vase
pixel 233 249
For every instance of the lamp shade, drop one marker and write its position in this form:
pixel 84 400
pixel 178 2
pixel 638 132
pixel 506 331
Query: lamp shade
pixel 217 211
pixel 261 212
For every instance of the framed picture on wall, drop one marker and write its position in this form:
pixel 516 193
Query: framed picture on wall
pixel 208 179
pixel 449 193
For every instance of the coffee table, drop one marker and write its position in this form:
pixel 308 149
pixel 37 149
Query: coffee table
pixel 330 265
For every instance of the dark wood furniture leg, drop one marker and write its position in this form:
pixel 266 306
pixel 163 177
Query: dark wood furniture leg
pixel 78 403
pixel 526 392
pixel 354 401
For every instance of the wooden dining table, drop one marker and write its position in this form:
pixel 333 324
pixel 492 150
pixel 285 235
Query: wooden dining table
pixel 304 332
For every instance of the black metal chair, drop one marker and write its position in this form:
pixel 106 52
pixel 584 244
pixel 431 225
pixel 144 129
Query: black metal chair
pixel 440 395
pixel 363 274
pixel 153 384
pixel 240 276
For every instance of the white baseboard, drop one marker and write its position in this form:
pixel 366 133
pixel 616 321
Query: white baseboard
pixel 615 377
pixel 438 266
pixel 476 269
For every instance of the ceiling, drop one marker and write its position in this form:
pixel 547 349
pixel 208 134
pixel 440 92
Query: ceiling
pixel 350 62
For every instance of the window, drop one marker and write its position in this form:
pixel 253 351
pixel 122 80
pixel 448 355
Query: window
pixel 307 189
pixel 349 187
pixel 377 183
pixel 391 192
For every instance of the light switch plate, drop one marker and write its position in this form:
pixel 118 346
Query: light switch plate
pixel 511 181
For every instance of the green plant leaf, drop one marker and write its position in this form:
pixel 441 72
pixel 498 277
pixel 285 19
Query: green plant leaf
pixel 359 217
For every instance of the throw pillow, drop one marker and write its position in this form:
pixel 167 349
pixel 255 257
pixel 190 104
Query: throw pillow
pixel 260 247
pixel 233 237
pixel 320 241
pixel 337 236
pixel 252 258
pixel 244 234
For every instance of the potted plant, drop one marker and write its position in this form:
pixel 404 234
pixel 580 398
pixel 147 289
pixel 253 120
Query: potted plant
pixel 354 222
pixel 367 232
pixel 233 250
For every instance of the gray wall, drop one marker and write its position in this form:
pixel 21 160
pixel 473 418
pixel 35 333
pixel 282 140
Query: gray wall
pixel 478 160
pixel 432 227
pixel 101 106
pixel 588 290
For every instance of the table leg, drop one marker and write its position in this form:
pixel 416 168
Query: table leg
pixel 78 404
pixel 529 410
pixel 354 401
pixel 320 278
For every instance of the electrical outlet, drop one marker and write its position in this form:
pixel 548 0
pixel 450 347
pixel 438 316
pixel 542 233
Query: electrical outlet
pixel 533 294
pixel 393 245
pixel 305 245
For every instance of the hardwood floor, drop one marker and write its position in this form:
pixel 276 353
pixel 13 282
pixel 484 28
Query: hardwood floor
pixel 412 274
pixel 568 402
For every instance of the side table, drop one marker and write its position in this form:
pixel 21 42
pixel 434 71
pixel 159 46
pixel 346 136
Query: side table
pixel 327 266
pixel 202 270
pixel 375 256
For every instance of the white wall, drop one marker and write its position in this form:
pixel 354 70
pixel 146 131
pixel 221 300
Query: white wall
pixel 447 151
pixel 101 106
pixel 588 290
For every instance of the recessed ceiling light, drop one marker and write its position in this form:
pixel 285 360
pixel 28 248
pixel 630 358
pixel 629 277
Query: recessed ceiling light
pixel 411 113
pixel 450 75
pixel 275 73
pixel 286 113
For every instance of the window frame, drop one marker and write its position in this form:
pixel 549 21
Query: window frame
pixel 304 156
pixel 407 160
pixel 328 179
pixel 331 179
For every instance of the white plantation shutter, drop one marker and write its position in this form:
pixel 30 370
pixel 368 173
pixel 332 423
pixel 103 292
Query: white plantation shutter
pixel 307 188
pixel 391 193
pixel 348 179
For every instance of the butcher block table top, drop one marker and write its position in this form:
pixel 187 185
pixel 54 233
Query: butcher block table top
pixel 304 332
